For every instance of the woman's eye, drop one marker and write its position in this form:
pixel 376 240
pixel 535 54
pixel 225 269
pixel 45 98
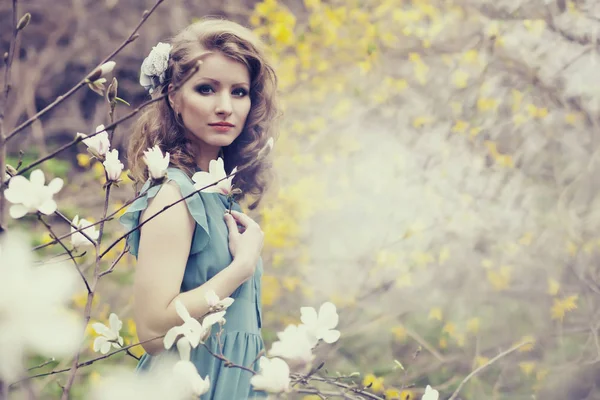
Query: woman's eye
pixel 240 92
pixel 204 89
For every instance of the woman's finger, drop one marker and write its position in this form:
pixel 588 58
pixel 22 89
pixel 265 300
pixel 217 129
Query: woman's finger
pixel 242 218
pixel 232 226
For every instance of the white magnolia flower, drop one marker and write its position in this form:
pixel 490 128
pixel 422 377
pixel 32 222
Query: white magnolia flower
pixel 191 328
pixel 216 171
pixel 430 394
pixel 112 165
pixel 215 303
pixel 273 376
pixel 98 145
pixel 34 314
pixel 109 335
pixel 32 195
pixel 189 380
pixel 295 345
pixel 107 68
pixel 101 71
pixel 184 348
pixel 157 162
pixel 155 65
pixel 212 319
pixel 77 238
pixel 321 325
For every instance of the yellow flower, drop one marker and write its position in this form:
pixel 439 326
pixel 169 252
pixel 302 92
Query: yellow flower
pixel 399 332
pixel 460 126
pixel 419 122
pixel 407 395
pixel 470 57
pixel 291 282
pixel 392 393
pixel 312 4
pixel 473 325
pixel 553 286
pixel 443 343
pixel 460 79
pixel 271 289
pixel 500 280
pixel 404 280
pixel 571 118
pixel 527 367
pixel 449 328
pixel 374 383
pixel 564 305
pixel 435 313
pixel 83 160
pixel 528 347
pixel 486 104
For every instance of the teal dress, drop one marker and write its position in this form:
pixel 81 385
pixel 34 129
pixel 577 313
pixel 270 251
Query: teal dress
pixel 209 254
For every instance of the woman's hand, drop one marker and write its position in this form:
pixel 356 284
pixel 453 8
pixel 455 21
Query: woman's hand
pixel 245 241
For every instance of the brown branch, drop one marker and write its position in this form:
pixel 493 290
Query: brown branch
pixel 3 137
pixel 91 293
pixel 341 385
pixel 85 363
pixel 81 83
pixel 114 263
pixel 228 363
pixel 110 126
pixel 108 218
pixel 47 225
pixel 487 364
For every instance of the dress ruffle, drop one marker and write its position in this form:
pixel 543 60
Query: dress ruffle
pixel 131 218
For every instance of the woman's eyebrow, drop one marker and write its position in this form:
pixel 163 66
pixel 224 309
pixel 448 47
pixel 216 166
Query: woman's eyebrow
pixel 218 83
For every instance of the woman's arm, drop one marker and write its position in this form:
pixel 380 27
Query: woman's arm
pixel 163 253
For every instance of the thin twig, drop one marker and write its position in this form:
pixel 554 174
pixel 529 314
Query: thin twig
pixel 3 137
pixel 115 262
pixel 108 218
pixel 108 127
pixel 85 363
pixel 81 83
pixel 487 364
pixel 42 364
pixel 91 293
pixel 47 225
pixel 228 363
pixel 342 385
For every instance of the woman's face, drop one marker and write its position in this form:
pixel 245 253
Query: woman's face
pixel 219 93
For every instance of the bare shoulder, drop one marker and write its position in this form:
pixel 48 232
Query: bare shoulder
pixel 167 196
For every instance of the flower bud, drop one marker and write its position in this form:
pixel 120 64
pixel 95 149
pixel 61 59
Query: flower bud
pixel 11 170
pixel 111 93
pixel 24 21
pixel 102 70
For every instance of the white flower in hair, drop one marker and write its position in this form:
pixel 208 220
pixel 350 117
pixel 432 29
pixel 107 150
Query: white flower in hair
pixel 154 66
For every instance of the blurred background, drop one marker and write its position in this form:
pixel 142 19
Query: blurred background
pixel 437 179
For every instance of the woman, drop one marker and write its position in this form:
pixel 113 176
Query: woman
pixel 225 111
